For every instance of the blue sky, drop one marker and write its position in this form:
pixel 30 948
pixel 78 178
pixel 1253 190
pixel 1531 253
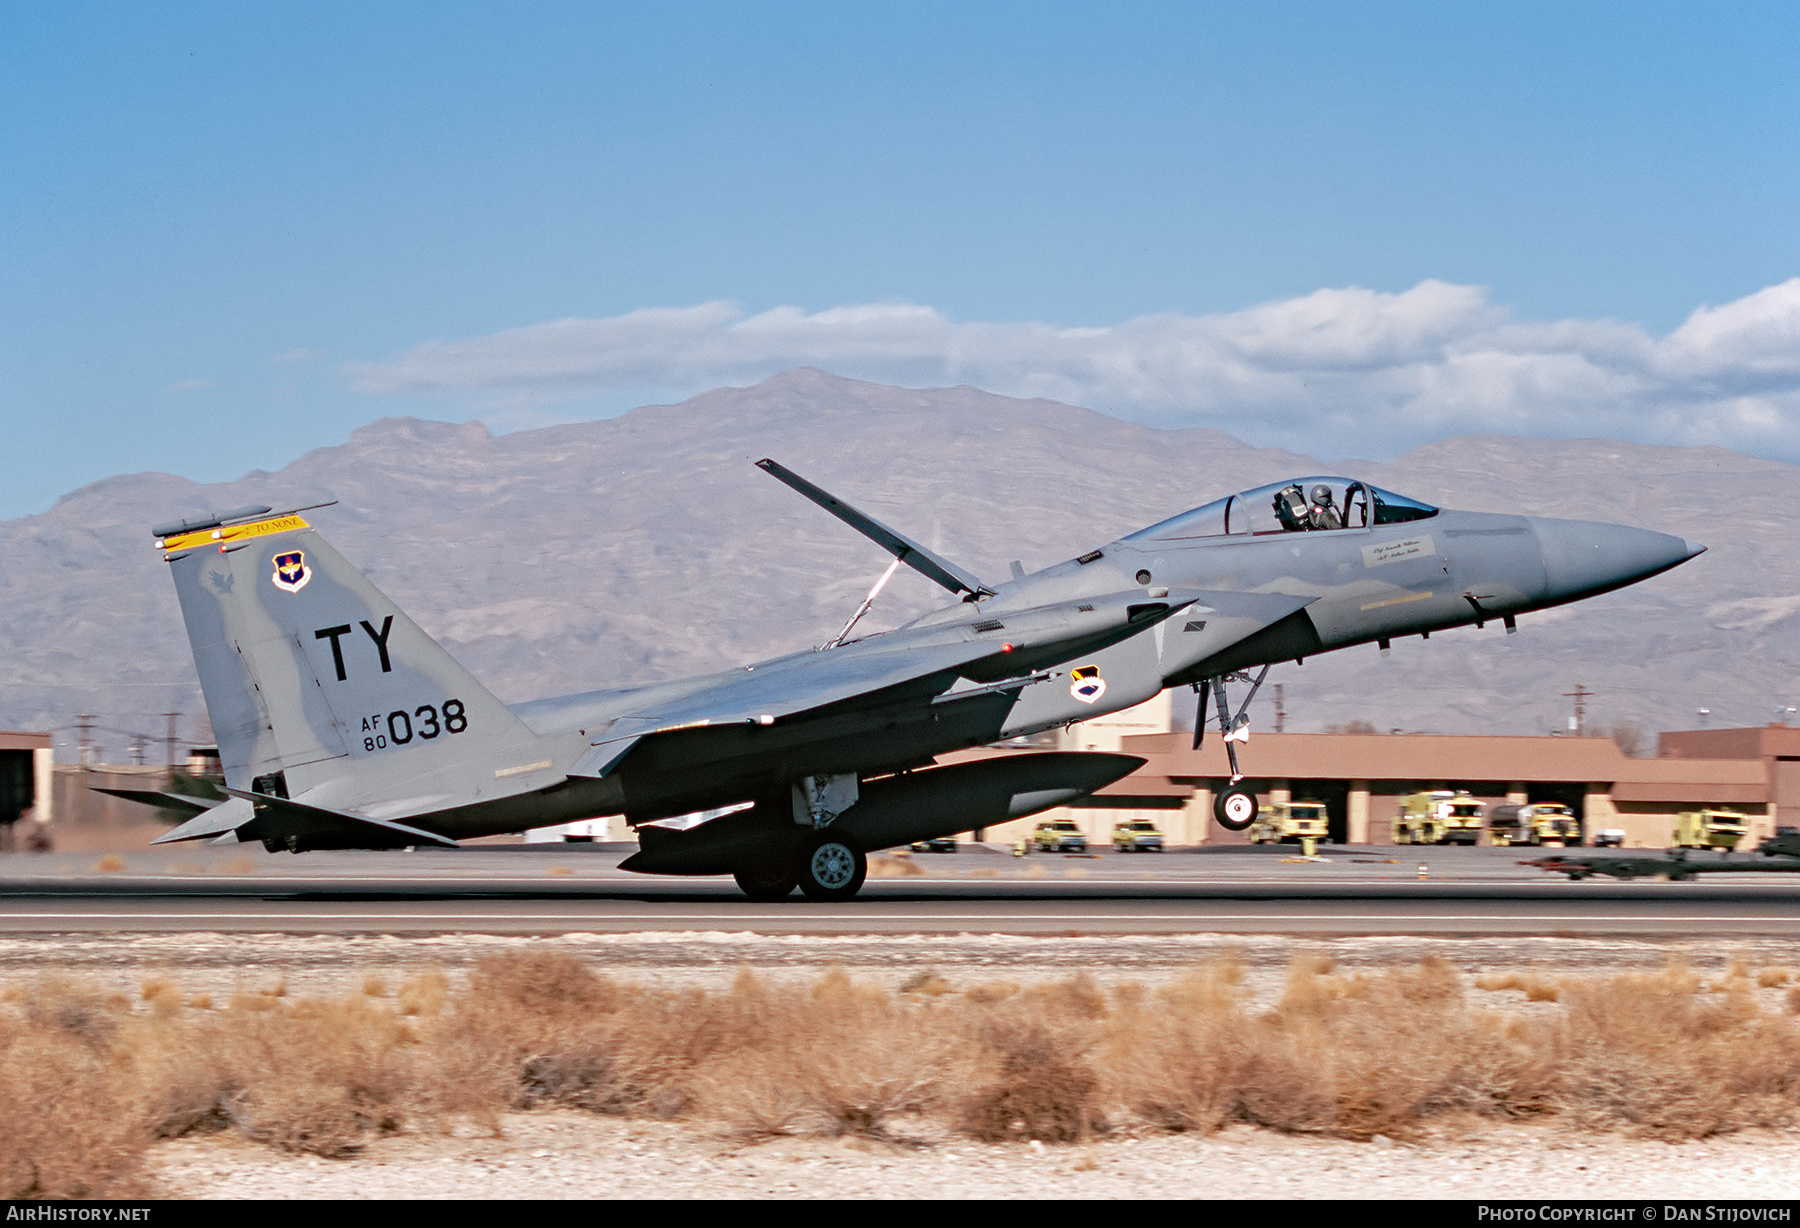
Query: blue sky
pixel 230 233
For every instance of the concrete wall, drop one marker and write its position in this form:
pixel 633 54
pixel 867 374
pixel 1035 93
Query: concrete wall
pixel 1648 825
pixel 88 821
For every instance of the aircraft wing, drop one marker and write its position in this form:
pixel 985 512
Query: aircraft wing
pixel 765 694
pixel 1007 649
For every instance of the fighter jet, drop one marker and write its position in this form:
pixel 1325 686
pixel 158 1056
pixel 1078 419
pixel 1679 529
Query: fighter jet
pixel 342 725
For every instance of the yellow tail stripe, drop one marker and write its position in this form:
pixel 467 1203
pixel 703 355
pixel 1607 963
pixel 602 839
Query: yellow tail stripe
pixel 233 532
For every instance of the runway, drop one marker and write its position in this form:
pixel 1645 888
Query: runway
pixel 574 889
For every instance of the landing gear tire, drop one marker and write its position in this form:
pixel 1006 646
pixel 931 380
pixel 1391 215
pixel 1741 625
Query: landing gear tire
pixel 831 870
pixel 766 885
pixel 1235 809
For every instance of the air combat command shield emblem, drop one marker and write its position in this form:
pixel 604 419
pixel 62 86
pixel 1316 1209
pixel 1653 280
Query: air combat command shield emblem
pixel 1086 684
pixel 291 571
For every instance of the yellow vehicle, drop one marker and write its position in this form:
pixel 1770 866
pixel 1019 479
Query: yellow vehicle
pixel 1709 829
pixel 1137 836
pixel 1554 825
pixel 1439 817
pixel 1058 836
pixel 1550 824
pixel 1289 823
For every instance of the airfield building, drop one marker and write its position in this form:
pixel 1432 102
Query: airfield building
pixel 1361 777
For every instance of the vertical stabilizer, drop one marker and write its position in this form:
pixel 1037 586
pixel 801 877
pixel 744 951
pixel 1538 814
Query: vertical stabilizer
pixel 308 669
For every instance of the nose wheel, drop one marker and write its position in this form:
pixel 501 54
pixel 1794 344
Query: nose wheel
pixel 1235 808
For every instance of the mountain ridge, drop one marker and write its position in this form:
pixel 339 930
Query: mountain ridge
pixel 646 546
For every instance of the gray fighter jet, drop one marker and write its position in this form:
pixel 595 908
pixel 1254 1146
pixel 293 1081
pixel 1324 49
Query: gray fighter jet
pixel 342 725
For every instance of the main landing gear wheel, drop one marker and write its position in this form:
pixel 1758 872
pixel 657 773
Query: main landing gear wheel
pixel 765 884
pixel 830 869
pixel 1235 808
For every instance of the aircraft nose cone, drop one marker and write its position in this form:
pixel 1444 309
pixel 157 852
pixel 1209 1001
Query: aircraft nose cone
pixel 1584 557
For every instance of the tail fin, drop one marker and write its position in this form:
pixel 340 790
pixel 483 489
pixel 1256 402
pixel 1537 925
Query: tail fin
pixel 310 673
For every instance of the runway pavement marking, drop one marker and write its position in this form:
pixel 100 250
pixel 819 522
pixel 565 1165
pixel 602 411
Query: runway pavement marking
pixel 286 882
pixel 763 918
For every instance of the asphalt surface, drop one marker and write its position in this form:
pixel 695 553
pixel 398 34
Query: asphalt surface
pixel 1381 890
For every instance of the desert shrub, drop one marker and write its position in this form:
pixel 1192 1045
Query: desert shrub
pixel 1038 1091
pixel 1033 1072
pixel 69 1126
pixel 841 1059
pixel 1648 1053
pixel 91 1078
pixel 69 1129
pixel 1352 1056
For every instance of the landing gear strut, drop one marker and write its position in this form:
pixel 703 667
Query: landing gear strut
pixel 1235 807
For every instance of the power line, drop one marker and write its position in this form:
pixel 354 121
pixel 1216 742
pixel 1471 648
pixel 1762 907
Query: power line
pixel 1580 695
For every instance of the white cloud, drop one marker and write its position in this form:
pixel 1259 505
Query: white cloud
pixel 1355 370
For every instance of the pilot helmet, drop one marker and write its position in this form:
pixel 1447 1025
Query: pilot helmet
pixel 1321 494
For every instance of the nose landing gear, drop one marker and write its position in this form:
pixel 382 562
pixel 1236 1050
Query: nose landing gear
pixel 1235 807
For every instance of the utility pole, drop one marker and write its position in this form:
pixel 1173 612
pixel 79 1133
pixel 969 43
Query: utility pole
pixel 169 741
pixel 1280 711
pixel 1580 695
pixel 84 723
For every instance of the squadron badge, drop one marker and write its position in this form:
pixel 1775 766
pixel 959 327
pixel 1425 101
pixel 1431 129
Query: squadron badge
pixel 1086 684
pixel 291 571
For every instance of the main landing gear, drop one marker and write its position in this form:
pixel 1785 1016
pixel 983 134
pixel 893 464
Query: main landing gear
pixel 1235 806
pixel 831 869
pixel 825 868
pixel 766 884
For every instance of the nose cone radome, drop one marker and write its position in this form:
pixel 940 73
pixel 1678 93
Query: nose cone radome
pixel 1584 557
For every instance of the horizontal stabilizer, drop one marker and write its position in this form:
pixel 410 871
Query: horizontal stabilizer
pixel 302 827
pixel 163 801
pixel 221 820
pixel 933 567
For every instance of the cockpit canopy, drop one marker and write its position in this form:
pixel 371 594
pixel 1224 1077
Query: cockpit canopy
pixel 1298 505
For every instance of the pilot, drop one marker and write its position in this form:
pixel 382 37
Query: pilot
pixel 1322 515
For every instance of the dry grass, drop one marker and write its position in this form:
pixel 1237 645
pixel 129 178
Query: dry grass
pixel 1535 987
pixel 92 1079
